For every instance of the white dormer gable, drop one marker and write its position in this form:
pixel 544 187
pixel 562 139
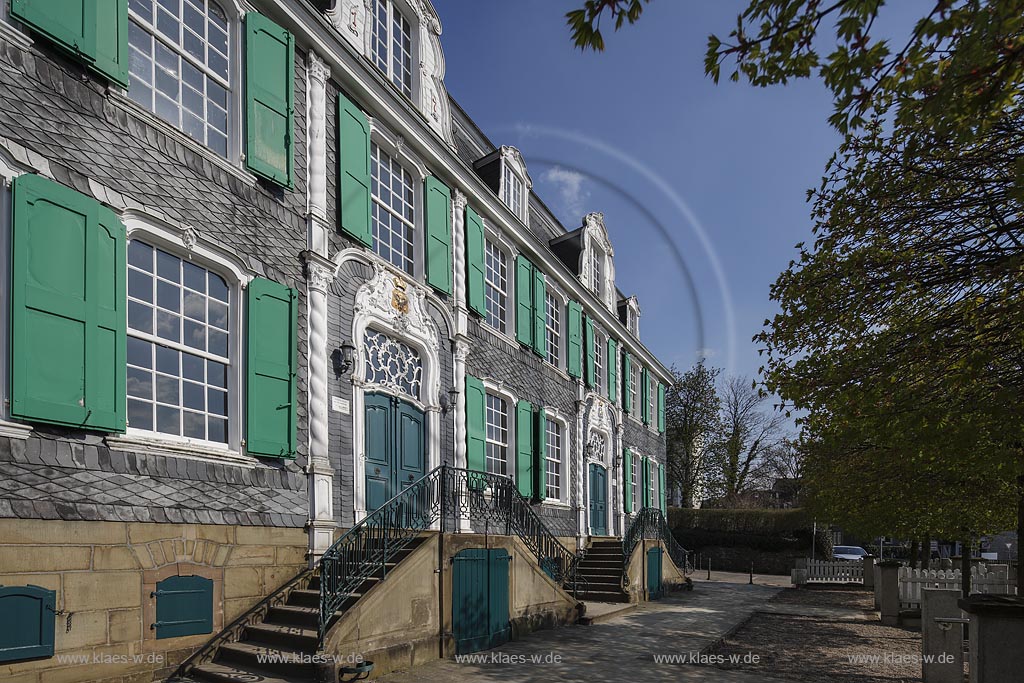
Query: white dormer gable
pixel 633 315
pixel 355 21
pixel 597 269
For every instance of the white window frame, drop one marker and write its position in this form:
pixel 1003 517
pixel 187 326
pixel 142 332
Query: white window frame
pixel 209 255
pixel 233 160
pixel 396 148
pixel 512 189
pixel 554 325
pixel 636 371
pixel 391 6
pixel 493 245
pixel 635 481
pixel 414 235
pixel 654 483
pixel 597 268
pixel 652 402
pixel 554 416
pixel 509 428
pixel 600 351
pixel 513 169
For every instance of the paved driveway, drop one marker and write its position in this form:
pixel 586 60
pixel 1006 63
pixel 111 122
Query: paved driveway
pixel 619 650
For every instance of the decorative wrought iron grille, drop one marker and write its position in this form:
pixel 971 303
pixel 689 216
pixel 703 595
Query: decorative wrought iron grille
pixel 392 364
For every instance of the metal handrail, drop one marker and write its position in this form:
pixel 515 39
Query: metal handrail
pixel 445 493
pixel 651 523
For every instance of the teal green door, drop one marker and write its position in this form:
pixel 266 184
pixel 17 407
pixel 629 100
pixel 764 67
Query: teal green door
pixel 395 447
pixel 654 573
pixel 480 599
pixel 598 500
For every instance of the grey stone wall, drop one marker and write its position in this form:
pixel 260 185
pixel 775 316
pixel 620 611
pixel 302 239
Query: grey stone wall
pixel 67 119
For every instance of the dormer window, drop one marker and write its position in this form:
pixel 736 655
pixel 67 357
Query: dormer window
pixel 597 272
pixel 597 268
pixel 391 44
pixel 511 189
pixel 631 309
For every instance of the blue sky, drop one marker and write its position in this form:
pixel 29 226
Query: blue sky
pixel 699 183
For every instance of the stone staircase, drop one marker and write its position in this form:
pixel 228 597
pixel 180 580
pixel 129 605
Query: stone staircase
pixel 286 639
pixel 602 569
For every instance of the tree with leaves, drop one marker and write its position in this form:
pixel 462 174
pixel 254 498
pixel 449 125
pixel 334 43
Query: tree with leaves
pixel 691 425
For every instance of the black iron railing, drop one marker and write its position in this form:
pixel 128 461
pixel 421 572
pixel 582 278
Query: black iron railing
pixel 442 498
pixel 650 523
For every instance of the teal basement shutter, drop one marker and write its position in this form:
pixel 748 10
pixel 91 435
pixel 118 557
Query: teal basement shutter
pixel 476 276
pixel 476 424
pixel 661 407
pixel 524 448
pixel 354 203
pixel 269 99
pixel 627 479
pixel 68 299
pixel 524 301
pixel 439 234
pixel 590 353
pixel 26 631
pixel 272 361
pixel 627 382
pixel 541 453
pixel 645 396
pixel 613 357
pixel 95 32
pixel 540 336
pixel 184 606
pixel 575 341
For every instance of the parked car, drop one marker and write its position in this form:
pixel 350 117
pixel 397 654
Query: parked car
pixel 848 552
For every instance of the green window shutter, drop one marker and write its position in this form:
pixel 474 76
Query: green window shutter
pixel 439 234
pixel 272 362
pixel 69 23
pixel 68 299
pixel 627 382
pixel 184 606
pixel 354 171
pixel 540 336
pixel 26 631
pixel 661 407
pixel 111 55
pixel 541 466
pixel 524 301
pixel 575 345
pixel 590 353
pixel 476 425
pixel 645 396
pixel 269 99
pixel 613 356
pixel 476 275
pixel 661 488
pixel 524 448
pixel 627 479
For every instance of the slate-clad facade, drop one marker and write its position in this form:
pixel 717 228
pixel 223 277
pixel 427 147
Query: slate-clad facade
pixel 263 273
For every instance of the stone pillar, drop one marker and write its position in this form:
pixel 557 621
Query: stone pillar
pixel 869 571
pixel 459 259
pixel 461 452
pixel 316 155
pixel 941 643
pixel 319 274
pixel 997 631
pixel 890 598
pixel 876 577
pixel 798 576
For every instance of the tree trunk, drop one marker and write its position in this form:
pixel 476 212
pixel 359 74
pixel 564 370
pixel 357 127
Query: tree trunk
pixel 926 552
pixel 915 547
pixel 965 568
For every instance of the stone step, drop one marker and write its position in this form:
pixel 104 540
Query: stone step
pixel 286 661
pixel 296 637
pixel 227 673
pixel 604 595
pixel 596 563
pixel 292 615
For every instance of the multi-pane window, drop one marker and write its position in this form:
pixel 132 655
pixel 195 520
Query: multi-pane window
pixel 599 378
pixel 552 323
pixel 497 285
pixel 634 389
pixel 391 44
pixel 512 189
pixel 652 500
pixel 497 435
pixel 652 402
pixel 597 270
pixel 553 459
pixel 178 346
pixel 634 482
pixel 393 218
pixel 179 66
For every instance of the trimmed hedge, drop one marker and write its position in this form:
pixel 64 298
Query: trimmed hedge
pixel 786 532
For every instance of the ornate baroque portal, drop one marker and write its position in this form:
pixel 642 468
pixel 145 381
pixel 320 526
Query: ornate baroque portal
pixel 397 344
pixel 600 445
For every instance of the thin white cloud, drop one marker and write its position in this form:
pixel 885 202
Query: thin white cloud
pixel 569 185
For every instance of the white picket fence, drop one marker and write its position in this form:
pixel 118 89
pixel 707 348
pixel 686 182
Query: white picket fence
pixel 984 579
pixel 835 571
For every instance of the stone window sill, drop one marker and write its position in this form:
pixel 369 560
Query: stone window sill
pixel 181 449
